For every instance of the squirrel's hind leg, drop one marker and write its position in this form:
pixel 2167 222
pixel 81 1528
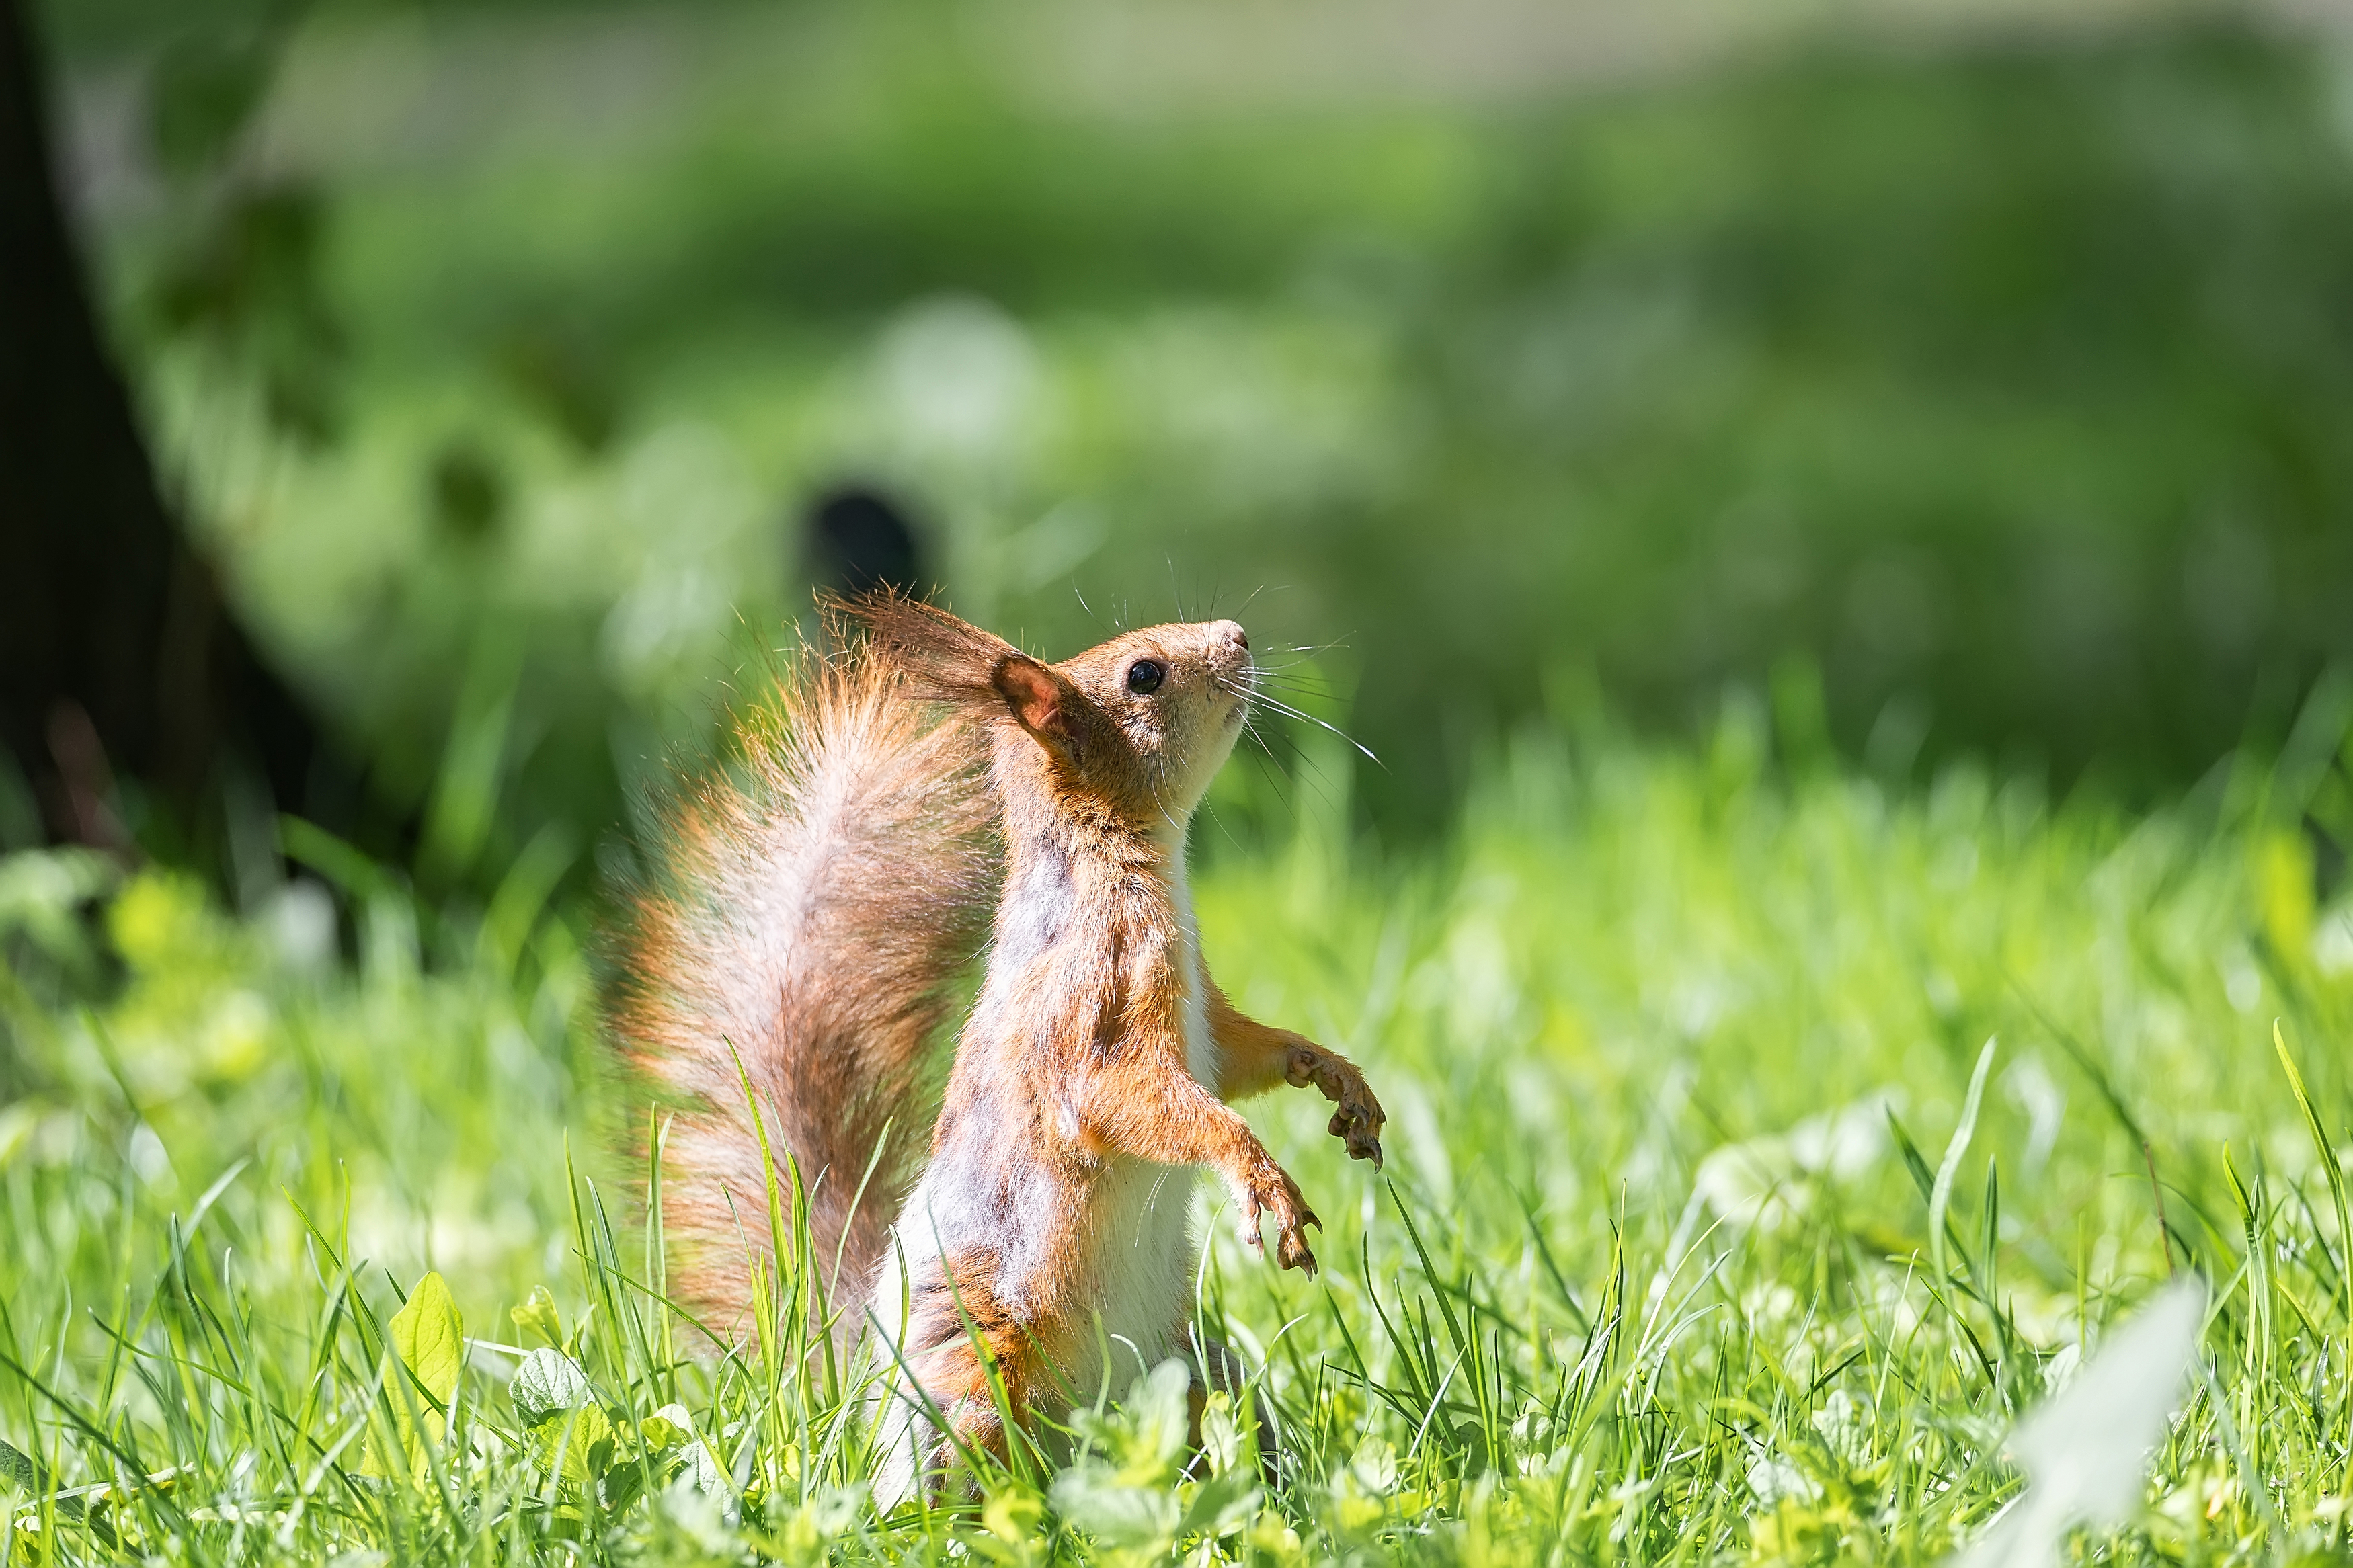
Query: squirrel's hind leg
pixel 957 1389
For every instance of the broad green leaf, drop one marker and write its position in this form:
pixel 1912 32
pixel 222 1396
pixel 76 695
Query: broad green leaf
pixel 623 1481
pixel 539 1316
pixel 564 1440
pixel 701 1460
pixel 430 1339
pixel 430 1342
pixel 548 1383
pixel 1222 1505
pixel 1012 1515
pixel 18 1470
pixel 1095 1497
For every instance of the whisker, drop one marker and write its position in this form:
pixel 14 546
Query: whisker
pixel 1309 647
pixel 1251 692
pixel 1283 679
pixel 1298 672
pixel 1090 609
pixel 1288 711
pixel 1270 770
pixel 1288 783
pixel 1311 778
pixel 1220 823
pixel 1318 694
pixel 1252 727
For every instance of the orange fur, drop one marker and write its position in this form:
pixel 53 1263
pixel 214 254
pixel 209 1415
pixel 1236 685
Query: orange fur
pixel 1255 1057
pixel 1099 1049
pixel 813 907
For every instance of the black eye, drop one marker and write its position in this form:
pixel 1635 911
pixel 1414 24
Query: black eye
pixel 1144 677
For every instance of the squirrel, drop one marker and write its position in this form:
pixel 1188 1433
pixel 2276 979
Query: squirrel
pixel 927 797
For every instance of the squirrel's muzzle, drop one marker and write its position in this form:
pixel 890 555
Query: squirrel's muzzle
pixel 1227 648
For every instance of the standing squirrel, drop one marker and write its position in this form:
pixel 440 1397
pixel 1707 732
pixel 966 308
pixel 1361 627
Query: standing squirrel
pixel 818 906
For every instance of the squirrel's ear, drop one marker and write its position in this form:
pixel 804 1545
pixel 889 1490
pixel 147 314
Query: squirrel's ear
pixel 1040 701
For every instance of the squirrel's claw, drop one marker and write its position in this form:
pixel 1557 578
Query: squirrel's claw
pixel 1271 1188
pixel 1357 1118
pixel 1362 1137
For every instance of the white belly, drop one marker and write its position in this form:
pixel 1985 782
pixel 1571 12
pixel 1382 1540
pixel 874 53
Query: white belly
pixel 1135 1272
pixel 1137 1264
pixel 1201 1046
pixel 1140 1260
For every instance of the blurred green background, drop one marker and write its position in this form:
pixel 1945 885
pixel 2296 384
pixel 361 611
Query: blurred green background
pixel 1965 376
pixel 1799 495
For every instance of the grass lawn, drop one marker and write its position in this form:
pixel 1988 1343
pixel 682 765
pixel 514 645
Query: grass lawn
pixel 1678 1042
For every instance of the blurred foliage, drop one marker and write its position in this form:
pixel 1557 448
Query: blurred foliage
pixel 235 270
pixel 2004 381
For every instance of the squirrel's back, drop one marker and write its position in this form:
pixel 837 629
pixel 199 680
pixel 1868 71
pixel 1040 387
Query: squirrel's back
pixel 809 910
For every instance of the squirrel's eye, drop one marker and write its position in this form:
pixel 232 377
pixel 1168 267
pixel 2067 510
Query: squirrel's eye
pixel 1144 677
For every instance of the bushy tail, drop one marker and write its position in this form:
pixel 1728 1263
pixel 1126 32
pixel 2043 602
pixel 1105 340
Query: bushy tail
pixel 812 907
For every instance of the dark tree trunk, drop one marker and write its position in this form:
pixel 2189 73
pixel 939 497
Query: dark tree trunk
pixel 119 659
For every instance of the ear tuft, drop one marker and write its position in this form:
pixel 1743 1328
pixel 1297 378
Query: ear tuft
pixel 944 659
pixel 981 676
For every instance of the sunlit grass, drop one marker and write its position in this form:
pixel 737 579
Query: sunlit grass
pixel 1677 1044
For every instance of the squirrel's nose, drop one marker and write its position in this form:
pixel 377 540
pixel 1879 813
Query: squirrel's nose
pixel 1228 634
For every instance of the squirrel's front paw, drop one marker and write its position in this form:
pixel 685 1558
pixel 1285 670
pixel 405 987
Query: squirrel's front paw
pixel 1358 1120
pixel 1271 1191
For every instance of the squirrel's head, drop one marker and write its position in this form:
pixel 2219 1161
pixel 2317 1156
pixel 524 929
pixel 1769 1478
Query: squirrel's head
pixel 1141 723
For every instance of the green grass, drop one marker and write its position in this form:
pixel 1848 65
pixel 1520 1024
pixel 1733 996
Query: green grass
pixel 1649 1277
